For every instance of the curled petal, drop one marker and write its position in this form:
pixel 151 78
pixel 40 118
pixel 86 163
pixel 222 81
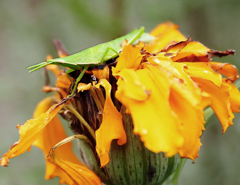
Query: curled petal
pixel 132 55
pixel 83 87
pixel 101 74
pixel 153 118
pixel 51 135
pixel 213 53
pixel 30 132
pixel 62 80
pixel 111 127
pixel 133 88
pixel 192 52
pixel 180 79
pixel 174 48
pixel 220 100
pixel 78 174
pixel 49 89
pixel 163 28
pixel 62 52
pixel 192 123
pixel 203 70
pixel 234 96
pixel 228 70
pixel 167 34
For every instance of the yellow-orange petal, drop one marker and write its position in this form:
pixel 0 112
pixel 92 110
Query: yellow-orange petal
pixel 111 127
pixel 191 52
pixel 234 95
pixel 192 123
pixel 163 28
pixel 220 100
pixel 203 70
pixel 167 34
pixel 49 89
pixel 83 87
pixel 62 80
pixel 134 89
pixel 79 174
pixel 179 79
pixel 228 70
pixel 101 73
pixel 130 58
pixel 51 135
pixel 29 133
pixel 153 118
pixel 175 48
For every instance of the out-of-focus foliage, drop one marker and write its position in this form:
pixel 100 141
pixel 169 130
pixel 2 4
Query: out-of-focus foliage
pixel 27 28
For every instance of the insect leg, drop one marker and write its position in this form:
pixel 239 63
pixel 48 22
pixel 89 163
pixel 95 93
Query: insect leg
pixel 67 72
pixel 105 54
pixel 78 80
pixel 137 36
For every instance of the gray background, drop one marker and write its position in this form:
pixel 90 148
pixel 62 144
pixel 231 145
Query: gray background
pixel 27 28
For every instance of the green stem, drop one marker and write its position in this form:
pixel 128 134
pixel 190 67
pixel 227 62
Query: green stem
pixel 208 113
pixel 177 173
pixel 237 83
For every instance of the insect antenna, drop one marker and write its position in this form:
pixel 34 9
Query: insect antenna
pixel 37 66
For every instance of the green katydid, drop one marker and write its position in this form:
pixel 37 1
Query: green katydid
pixel 94 56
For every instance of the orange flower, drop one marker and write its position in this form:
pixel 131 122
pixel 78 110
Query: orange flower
pixel 168 91
pixel 164 85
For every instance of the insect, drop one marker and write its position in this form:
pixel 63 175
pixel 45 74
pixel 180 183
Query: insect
pixel 94 56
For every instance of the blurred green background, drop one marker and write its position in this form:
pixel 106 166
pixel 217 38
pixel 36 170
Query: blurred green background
pixel 27 28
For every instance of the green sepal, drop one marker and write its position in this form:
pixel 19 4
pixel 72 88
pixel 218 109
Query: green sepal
pixel 89 159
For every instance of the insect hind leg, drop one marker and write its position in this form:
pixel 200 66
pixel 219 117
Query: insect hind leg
pixel 104 59
pixel 67 72
pixel 78 80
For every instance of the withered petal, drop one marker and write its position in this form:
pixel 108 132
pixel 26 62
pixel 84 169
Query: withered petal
pixel 62 52
pixel 215 53
pixel 51 135
pixel 193 50
pixel 174 48
pixel 228 70
pixel 78 174
pixel 30 131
